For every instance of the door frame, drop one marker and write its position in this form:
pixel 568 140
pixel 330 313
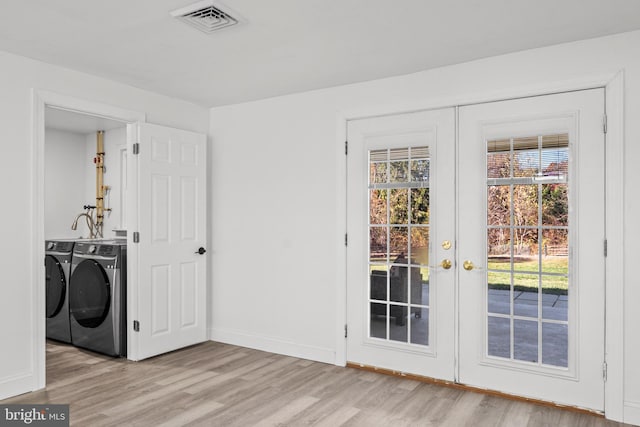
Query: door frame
pixel 40 99
pixel 614 210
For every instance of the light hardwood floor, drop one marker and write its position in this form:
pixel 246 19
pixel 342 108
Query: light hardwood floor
pixel 215 384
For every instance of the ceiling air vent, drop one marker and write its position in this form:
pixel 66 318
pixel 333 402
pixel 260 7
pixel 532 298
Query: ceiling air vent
pixel 206 16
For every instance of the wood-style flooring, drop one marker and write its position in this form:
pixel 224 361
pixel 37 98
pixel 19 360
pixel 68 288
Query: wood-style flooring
pixel 215 384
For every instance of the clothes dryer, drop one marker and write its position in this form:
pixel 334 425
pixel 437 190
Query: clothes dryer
pixel 97 297
pixel 57 261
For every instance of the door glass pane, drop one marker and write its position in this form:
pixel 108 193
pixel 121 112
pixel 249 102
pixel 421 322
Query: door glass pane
pixel 399 225
pixel 525 302
pixel 398 327
pixel 553 351
pixel 398 284
pixel 528 248
pixel 378 167
pixel 378 206
pixel 525 340
pixel 398 244
pixel 555 301
pixel 420 206
pixel 378 283
pixel 499 205
pixel 399 206
pixel 499 159
pixel 420 326
pixel 378 244
pixel 378 322
pixel 419 245
pixel 499 292
pixel 498 330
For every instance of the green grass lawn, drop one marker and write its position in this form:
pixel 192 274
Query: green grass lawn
pixel 525 282
pixel 525 276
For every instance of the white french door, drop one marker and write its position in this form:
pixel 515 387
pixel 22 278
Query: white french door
pixel 401 231
pixel 170 178
pixel 518 209
pixel 531 247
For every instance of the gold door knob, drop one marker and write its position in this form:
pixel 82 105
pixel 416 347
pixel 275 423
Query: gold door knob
pixel 468 265
pixel 446 264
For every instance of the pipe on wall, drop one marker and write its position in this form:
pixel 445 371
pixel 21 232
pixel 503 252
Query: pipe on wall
pixel 100 187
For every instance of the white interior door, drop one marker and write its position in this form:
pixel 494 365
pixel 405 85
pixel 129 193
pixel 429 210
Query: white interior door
pixel 531 247
pixel 170 273
pixel 400 253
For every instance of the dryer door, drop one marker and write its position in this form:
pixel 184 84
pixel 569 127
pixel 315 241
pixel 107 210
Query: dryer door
pixel 89 294
pixel 56 285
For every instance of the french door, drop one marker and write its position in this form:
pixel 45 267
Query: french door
pixel 480 259
pixel 401 227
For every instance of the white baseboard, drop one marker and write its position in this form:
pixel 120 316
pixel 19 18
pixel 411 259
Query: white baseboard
pixel 17 384
pixel 273 345
pixel 631 412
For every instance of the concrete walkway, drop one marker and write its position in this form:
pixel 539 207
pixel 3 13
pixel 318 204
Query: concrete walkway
pixel 554 314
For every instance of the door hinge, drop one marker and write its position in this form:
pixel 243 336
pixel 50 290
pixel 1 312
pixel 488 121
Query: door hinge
pixel 346 148
pixel 346 239
pixel 604 123
pixel 345 331
pixel 136 148
pixel 604 371
pixel 136 326
pixel 605 247
pixel 136 237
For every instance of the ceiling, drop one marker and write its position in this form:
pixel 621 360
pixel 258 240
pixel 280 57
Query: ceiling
pixel 287 46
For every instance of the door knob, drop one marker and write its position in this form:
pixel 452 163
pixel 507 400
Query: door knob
pixel 468 265
pixel 201 251
pixel 446 264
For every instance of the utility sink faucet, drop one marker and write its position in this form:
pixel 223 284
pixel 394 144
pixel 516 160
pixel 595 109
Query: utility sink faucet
pixel 89 221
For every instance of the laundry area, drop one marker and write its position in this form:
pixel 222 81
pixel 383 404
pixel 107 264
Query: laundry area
pixel 85 231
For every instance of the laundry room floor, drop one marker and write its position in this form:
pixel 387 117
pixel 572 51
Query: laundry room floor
pixel 214 384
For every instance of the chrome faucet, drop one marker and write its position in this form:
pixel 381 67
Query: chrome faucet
pixel 90 223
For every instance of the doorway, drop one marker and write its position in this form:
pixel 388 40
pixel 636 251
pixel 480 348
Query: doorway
pixel 479 259
pixel 165 205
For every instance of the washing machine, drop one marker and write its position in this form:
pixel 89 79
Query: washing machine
pixel 97 297
pixel 57 261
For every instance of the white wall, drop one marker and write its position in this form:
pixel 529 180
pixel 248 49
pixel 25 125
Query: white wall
pixel 70 181
pixel 18 370
pixel 277 170
pixel 64 182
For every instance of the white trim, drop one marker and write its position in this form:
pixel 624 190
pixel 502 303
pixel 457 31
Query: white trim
pixel 614 87
pixel 16 384
pixel 614 263
pixel 132 200
pixel 632 412
pixel 41 99
pixel 38 294
pixel 579 83
pixel 341 248
pixel 272 345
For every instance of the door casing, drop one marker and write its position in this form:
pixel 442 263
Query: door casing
pixel 40 100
